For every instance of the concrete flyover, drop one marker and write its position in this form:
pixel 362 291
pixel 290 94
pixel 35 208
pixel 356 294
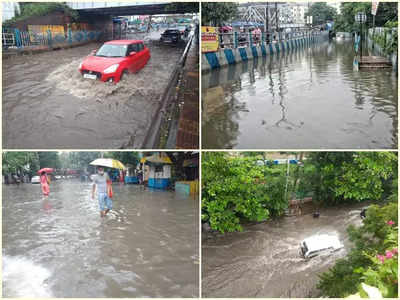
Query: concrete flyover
pixel 224 57
pixel 127 8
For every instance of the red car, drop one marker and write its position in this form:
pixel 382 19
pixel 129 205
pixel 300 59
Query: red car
pixel 114 60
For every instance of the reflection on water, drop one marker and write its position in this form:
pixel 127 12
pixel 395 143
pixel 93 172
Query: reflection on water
pixel 60 247
pixel 264 259
pixel 310 98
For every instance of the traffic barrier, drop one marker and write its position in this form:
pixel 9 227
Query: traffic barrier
pixel 224 57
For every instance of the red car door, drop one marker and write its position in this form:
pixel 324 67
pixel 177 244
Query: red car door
pixel 140 56
pixel 146 55
pixel 132 59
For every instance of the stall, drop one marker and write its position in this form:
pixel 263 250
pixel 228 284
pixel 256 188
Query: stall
pixel 158 172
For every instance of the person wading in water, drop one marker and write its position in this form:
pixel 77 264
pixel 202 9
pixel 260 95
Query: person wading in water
pixel 102 185
pixel 44 183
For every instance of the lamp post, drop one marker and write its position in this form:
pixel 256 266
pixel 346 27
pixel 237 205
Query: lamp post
pixel 361 18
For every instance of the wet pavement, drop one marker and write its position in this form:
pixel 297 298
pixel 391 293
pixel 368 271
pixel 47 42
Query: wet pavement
pixel 48 105
pixel 310 98
pixel 264 259
pixel 60 247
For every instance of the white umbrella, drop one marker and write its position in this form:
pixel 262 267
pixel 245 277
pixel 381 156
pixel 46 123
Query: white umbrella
pixel 108 162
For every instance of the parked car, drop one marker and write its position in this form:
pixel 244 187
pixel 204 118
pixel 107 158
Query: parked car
pixel 171 36
pixel 319 244
pixel 114 60
pixel 35 179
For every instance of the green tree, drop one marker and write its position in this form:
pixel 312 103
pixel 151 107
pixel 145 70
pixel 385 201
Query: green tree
pixel 351 176
pixel 49 160
pixel 78 160
pixel 367 175
pixel 321 13
pixel 23 162
pixel 387 11
pixel 127 158
pixel 236 189
pixel 216 13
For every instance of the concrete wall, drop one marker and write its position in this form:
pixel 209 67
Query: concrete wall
pixel 224 57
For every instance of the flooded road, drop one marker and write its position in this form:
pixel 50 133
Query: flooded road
pixel 47 104
pixel 146 247
pixel 310 98
pixel 264 260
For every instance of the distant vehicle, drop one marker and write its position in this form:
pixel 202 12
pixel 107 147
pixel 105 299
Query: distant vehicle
pixel 35 179
pixel 114 60
pixel 319 244
pixel 57 177
pixel 171 36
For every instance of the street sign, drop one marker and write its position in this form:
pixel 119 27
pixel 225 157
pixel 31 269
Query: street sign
pixel 360 17
pixel 209 39
pixel 374 9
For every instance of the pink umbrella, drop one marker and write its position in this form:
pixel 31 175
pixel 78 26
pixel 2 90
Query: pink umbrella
pixel 47 170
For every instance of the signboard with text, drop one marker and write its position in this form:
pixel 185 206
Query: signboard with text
pixel 209 39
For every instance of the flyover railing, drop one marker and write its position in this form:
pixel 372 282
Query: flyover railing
pixel 240 39
pixel 14 38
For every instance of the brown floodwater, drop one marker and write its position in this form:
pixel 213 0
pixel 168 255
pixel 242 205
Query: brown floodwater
pixel 48 105
pixel 264 259
pixel 148 246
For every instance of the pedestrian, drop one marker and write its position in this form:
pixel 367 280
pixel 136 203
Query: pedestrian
pixel 102 187
pixel 44 183
pixel 121 177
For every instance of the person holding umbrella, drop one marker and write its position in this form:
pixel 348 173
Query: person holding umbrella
pixel 102 187
pixel 44 180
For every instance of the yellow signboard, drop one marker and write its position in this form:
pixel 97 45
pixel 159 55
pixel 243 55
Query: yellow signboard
pixel 209 39
pixel 55 29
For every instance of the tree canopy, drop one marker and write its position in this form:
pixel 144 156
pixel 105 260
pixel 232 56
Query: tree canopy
pixel 236 189
pixel 216 13
pixel 387 12
pixel 321 13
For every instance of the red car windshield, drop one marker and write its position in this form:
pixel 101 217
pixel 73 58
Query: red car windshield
pixel 109 50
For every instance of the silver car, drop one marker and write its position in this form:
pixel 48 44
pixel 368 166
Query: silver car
pixel 319 244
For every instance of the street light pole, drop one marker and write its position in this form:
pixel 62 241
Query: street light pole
pixel 361 40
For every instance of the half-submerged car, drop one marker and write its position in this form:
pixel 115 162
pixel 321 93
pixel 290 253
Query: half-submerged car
pixel 319 244
pixel 114 60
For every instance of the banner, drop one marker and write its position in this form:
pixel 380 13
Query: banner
pixel 209 39
pixel 374 8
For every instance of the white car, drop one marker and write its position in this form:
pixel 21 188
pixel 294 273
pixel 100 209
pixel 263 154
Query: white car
pixel 35 179
pixel 319 244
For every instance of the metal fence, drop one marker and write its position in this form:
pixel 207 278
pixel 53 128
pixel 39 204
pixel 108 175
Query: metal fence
pixel 14 38
pixel 241 39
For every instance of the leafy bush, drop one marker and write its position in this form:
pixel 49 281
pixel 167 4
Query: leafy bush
pixel 237 189
pixel 375 237
pixel 351 176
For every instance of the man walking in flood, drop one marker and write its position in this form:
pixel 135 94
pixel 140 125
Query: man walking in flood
pixel 102 186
